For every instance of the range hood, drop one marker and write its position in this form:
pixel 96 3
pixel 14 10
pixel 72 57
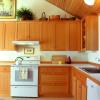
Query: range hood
pixel 26 43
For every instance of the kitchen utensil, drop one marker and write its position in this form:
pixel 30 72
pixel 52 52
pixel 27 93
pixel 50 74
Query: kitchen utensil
pixel 54 17
pixel 43 16
pixel 18 60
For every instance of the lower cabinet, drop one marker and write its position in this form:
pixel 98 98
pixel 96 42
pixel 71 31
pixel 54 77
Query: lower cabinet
pixel 4 81
pixel 74 87
pixel 79 89
pixel 54 81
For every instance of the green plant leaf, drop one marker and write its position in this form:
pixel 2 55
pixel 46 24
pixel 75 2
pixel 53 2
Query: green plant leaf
pixel 25 13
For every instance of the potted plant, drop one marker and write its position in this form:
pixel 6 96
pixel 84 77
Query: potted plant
pixel 24 14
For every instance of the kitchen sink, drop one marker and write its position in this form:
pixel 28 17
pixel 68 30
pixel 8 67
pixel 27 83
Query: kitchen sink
pixel 91 70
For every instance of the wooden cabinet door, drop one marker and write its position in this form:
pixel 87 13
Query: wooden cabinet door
pixel 53 82
pixel 84 92
pixel 22 30
pixel 48 36
pixel 91 32
pixel 79 90
pixel 2 28
pixel 35 30
pixel 1 83
pixel 10 31
pixel 75 36
pixel 74 87
pixel 62 35
pixel 4 81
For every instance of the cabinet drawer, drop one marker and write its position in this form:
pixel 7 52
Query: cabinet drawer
pixel 54 70
pixel 5 69
pixel 61 79
pixel 54 91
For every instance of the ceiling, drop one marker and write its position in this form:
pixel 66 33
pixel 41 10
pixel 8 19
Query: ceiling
pixel 77 7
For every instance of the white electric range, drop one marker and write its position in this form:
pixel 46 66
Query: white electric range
pixel 24 77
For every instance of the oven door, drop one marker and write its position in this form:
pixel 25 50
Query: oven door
pixel 24 75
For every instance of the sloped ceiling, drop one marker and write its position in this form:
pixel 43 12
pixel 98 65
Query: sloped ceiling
pixel 78 7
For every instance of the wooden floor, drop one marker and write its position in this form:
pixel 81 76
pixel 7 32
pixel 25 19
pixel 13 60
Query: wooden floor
pixel 8 98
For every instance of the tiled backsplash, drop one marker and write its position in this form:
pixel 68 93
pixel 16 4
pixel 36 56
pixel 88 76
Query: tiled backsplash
pixel 94 57
pixel 75 55
pixel 45 55
pixel 11 55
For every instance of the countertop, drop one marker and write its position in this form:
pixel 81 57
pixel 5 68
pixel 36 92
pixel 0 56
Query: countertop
pixel 5 63
pixel 94 77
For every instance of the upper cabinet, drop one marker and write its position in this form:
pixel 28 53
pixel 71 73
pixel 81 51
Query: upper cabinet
pixel 2 30
pixel 48 36
pixel 7 32
pixel 22 30
pixel 35 30
pixel 66 35
pixel 10 31
pixel 75 35
pixel 90 33
pixel 62 35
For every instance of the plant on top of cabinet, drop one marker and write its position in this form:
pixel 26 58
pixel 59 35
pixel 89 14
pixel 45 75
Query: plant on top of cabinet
pixel 24 14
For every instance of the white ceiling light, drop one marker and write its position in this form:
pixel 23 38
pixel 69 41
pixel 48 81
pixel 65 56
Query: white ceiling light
pixel 89 2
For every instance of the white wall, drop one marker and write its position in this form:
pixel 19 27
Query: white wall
pixel 39 6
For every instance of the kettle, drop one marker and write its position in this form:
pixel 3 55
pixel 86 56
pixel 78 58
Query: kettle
pixel 19 60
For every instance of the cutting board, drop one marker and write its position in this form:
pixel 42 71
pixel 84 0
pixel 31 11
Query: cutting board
pixel 59 59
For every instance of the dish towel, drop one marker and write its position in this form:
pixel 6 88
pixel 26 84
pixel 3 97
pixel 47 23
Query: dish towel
pixel 23 73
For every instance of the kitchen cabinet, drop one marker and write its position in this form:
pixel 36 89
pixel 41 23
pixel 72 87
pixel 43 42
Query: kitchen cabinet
pixel 74 87
pixel 53 35
pixel 81 93
pixel 62 35
pixel 79 88
pixel 75 35
pixel 4 81
pixel 90 33
pixel 10 32
pixel 48 36
pixel 54 81
pixel 84 92
pixel 35 30
pixel 2 35
pixel 22 30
